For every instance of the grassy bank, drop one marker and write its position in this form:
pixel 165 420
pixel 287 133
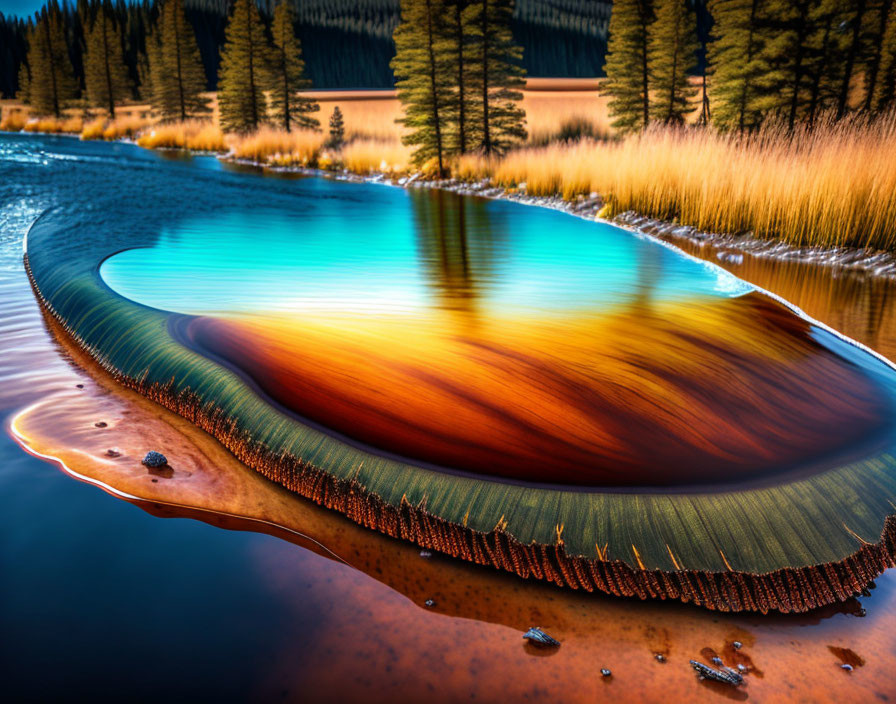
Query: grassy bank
pixel 831 186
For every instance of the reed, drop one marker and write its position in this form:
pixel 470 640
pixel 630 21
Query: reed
pixel 13 121
pixel 195 135
pixel 54 125
pixel 834 185
pixel 94 129
pixel 365 156
pixel 269 145
pixel 126 127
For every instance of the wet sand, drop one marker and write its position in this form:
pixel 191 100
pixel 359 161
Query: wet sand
pixel 468 643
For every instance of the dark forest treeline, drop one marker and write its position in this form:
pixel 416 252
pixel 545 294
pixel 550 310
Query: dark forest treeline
pixel 346 43
pixel 790 61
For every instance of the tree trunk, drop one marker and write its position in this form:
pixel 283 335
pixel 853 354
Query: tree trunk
pixel 253 114
pixel 434 86
pixel 461 105
pixel 843 102
pixel 486 134
pixel 56 110
pixel 109 91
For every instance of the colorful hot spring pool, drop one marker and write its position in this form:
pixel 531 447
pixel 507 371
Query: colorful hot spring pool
pixel 509 384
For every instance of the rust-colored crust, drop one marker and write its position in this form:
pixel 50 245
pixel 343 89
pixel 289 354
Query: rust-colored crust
pixel 788 590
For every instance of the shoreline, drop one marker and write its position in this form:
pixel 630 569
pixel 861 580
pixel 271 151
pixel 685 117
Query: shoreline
pixel 873 263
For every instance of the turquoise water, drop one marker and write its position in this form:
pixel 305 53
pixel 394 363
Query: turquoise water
pixel 402 251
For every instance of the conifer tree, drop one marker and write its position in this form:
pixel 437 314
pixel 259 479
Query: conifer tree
pixel 627 64
pixel 177 76
pixel 881 23
pixel 496 75
pixel 105 73
pixel 884 95
pixel 49 81
pixel 465 123
pixel 337 128
pixel 673 53
pixel 288 74
pixel 740 89
pixel 822 48
pixel 424 78
pixel 855 22
pixel 245 62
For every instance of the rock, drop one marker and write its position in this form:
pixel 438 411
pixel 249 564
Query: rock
pixel 425 553
pixel 100 424
pixel 660 657
pixel 429 603
pixel 846 666
pixel 737 645
pixel 112 453
pixel 538 637
pixel 605 672
pixel 723 674
pixel 155 459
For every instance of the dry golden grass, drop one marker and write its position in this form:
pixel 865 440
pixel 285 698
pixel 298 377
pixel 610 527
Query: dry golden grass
pixel 196 135
pixel 552 115
pixel 54 125
pixel 367 114
pixel 13 121
pixel 832 186
pixel 126 127
pixel 364 156
pixel 94 129
pixel 269 145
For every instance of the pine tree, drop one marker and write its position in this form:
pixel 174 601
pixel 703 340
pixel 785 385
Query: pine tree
pixel 105 72
pixel 740 90
pixel 49 81
pixel 177 76
pixel 627 65
pixel 822 49
pixel 422 67
pixel 855 23
pixel 337 128
pixel 884 95
pixel 882 23
pixel 496 75
pixel 464 121
pixel 244 73
pixel 673 53
pixel 288 74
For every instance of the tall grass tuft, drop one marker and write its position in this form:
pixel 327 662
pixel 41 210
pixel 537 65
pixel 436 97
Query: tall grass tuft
pixel 127 127
pixel 13 121
pixel 94 129
pixel 196 135
pixel 365 156
pixel 834 185
pixel 54 125
pixel 278 147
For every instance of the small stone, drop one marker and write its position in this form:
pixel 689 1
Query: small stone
pixel 429 602
pixel 737 645
pixel 717 660
pixel 741 667
pixel 80 386
pixel 660 657
pixel 112 453
pixel 846 666
pixel 861 613
pixel 155 459
pixel 536 636
pixel 100 424
pixel 605 672
pixel 425 553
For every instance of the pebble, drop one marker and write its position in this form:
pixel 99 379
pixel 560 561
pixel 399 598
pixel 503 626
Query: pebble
pixel 846 666
pixel 155 459
pixel 100 424
pixel 112 453
pixel 536 636
pixel 660 657
pixel 717 660
pixel 737 645
pixel 605 672
pixel 80 386
pixel 425 553
pixel 429 602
